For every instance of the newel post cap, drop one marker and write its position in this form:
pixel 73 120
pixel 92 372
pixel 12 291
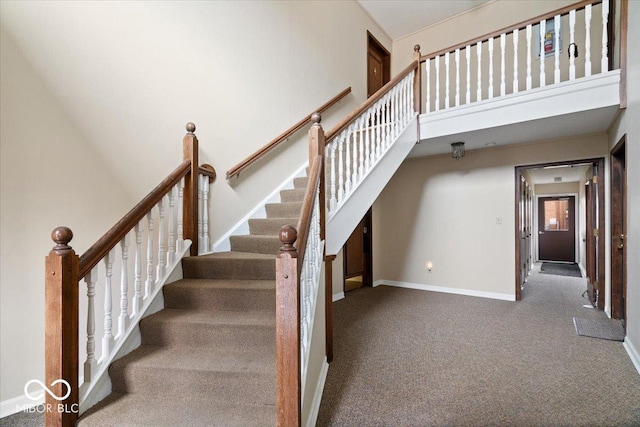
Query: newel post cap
pixel 62 236
pixel 416 48
pixel 191 127
pixel 316 118
pixel 288 235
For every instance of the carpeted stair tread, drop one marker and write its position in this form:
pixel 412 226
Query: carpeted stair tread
pixel 256 244
pixel 222 294
pixel 269 226
pixel 158 411
pixel 292 195
pixel 300 182
pixel 232 330
pixel 283 210
pixel 231 265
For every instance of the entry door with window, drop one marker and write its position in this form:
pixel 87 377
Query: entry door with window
pixel 556 229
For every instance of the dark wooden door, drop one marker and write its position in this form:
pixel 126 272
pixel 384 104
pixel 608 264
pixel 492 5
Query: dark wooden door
pixel 378 65
pixel 357 256
pixel 556 229
pixel 618 231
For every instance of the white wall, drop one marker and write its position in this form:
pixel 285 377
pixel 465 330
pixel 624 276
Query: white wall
pixel 50 176
pixel 629 123
pixel 441 210
pixel 101 92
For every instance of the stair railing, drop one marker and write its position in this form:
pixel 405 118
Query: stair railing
pixel 507 61
pixel 284 136
pixel 156 233
pixel 356 144
pixel 297 282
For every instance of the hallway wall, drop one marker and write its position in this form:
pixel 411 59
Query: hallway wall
pixel 446 211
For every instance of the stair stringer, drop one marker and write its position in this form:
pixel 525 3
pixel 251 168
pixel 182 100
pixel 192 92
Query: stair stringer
pixel 342 222
pixel 101 387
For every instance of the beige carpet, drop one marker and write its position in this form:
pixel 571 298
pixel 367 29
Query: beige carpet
pixel 413 358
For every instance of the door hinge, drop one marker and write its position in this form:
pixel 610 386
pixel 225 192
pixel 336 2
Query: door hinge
pixel 595 232
pixel 595 179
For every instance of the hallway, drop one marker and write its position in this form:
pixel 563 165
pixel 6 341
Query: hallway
pixel 416 358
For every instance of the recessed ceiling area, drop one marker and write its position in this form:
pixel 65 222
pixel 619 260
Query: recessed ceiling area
pixel 402 17
pixel 548 175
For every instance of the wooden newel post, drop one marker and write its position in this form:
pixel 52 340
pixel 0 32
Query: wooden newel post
pixel 61 331
pixel 190 201
pixel 417 81
pixel 288 381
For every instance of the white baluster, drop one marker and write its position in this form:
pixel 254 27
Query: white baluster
pixel 556 44
pixel 446 84
pixel 107 338
pixel 479 56
pixel 529 57
pixel 587 40
pixel 515 61
pixel 361 161
pixel 604 66
pixel 468 56
pixel 333 200
pixel 490 68
pixel 347 175
pixel 180 239
pixel 340 142
pixel 123 319
pixel 457 97
pixel 137 284
pixel 149 283
pixel 503 45
pixel 200 237
pixel 572 47
pixel 437 83
pixel 367 145
pixel 205 213
pixel 171 253
pixel 90 364
pixel 387 117
pixel 161 240
pixel 354 154
pixel 543 30
pixel 428 66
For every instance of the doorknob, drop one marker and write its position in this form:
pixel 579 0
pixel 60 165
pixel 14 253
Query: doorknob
pixel 540 232
pixel 621 244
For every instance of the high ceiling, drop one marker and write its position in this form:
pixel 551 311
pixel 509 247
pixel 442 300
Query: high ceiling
pixel 399 18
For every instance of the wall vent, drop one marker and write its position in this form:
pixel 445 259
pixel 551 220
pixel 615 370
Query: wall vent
pixel 557 179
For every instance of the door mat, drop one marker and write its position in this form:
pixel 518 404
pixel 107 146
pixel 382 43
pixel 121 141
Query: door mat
pixel 560 269
pixel 606 329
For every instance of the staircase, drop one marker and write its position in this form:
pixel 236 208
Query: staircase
pixel 208 358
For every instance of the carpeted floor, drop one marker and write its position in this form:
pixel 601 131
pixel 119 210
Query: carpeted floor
pixel 414 358
pixel 561 269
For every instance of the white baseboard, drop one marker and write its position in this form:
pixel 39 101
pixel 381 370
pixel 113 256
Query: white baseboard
pixel 583 271
pixel 242 227
pixel 447 290
pixel 317 396
pixel 633 353
pixel 338 296
pixel 17 404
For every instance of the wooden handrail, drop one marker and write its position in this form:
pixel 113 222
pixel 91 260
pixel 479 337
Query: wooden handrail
pixel 307 209
pixel 369 102
pixel 523 24
pixel 99 249
pixel 235 171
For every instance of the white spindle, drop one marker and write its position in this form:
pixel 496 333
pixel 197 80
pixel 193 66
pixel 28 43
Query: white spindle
pixel 347 175
pixel 137 284
pixel 205 214
pixel 149 283
pixel 446 85
pixel 457 98
pixel 332 200
pixel 572 46
pixel 503 77
pixel 200 248
pixel 340 142
pixel 529 57
pixel 515 61
pixel 604 66
pixel 107 338
pixel 90 364
pixel 479 55
pixel 180 239
pixel 378 107
pixel 123 319
pixel 361 126
pixel 437 83
pixel 161 239
pixel 587 40
pixel 491 68
pixel 468 89
pixel 171 253
pixel 556 45
pixel 428 66
pixel 543 30
pixel 368 140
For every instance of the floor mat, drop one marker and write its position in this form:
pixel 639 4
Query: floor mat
pixel 606 329
pixel 560 269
